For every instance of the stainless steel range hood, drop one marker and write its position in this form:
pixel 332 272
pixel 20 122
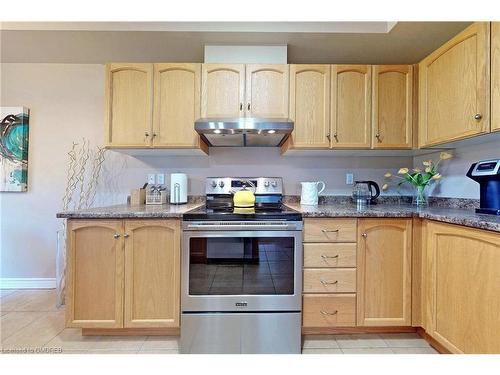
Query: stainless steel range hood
pixel 244 131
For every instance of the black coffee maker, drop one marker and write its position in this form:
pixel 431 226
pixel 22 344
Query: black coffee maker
pixel 487 173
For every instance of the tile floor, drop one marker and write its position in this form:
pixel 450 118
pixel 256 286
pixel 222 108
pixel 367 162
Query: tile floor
pixel 30 320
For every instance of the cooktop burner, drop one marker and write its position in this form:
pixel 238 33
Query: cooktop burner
pixel 233 214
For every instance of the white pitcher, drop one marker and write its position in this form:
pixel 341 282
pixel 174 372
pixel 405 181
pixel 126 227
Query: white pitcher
pixel 310 192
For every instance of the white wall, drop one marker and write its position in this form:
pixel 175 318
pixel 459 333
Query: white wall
pixel 66 103
pixel 455 183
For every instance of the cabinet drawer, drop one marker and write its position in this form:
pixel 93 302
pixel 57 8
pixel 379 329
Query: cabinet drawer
pixel 340 280
pixel 330 230
pixel 329 310
pixel 329 255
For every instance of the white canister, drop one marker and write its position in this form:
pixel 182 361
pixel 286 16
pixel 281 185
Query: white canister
pixel 310 192
pixel 178 188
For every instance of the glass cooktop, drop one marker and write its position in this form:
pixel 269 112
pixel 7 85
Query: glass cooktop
pixel 280 212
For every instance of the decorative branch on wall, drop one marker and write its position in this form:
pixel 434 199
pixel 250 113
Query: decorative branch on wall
pixel 14 137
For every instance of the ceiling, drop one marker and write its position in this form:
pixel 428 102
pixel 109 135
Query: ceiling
pixel 377 43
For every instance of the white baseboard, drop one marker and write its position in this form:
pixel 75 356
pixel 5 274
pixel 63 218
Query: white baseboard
pixel 27 283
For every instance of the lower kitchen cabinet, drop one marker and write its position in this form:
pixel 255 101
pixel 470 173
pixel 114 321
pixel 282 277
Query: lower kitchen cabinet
pixel 123 274
pixel 384 272
pixel 94 274
pixel 462 271
pixel 152 273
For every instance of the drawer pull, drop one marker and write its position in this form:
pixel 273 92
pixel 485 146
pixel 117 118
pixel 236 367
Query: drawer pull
pixel 324 282
pixel 326 257
pixel 329 313
pixel 329 230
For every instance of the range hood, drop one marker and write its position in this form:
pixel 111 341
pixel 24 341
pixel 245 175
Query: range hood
pixel 244 131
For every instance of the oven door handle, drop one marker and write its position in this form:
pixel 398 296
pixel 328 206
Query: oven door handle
pixel 266 226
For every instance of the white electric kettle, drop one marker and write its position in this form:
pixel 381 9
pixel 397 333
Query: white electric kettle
pixel 310 192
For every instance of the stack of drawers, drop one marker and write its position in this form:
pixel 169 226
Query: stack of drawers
pixel 329 298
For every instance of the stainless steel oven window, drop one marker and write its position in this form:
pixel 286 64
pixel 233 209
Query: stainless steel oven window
pixel 241 265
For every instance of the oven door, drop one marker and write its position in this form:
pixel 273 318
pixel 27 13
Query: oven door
pixel 247 270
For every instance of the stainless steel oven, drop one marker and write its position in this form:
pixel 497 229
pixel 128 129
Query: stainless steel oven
pixel 241 286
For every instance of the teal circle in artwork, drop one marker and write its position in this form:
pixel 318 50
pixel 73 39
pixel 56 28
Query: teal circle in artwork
pixel 16 142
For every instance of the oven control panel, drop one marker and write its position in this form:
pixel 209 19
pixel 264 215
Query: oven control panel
pixel 228 185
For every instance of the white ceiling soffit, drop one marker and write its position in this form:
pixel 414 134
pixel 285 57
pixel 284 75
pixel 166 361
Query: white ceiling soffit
pixel 253 27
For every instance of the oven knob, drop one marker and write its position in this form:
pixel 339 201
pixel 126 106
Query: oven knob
pixel 266 184
pixel 214 184
pixel 274 184
pixel 221 184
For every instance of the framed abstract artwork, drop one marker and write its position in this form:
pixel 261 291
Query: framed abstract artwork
pixel 14 137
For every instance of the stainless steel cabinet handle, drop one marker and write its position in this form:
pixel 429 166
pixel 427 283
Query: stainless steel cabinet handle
pixel 329 313
pixel 116 235
pixel 378 137
pixel 126 235
pixel 154 135
pixel 329 257
pixel 146 134
pixel 364 235
pixel 329 230
pixel 336 137
pixel 478 116
pixel 241 106
pixel 248 106
pixel 328 136
pixel 324 282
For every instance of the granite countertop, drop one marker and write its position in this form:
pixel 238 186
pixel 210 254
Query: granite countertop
pixel 124 211
pixel 466 217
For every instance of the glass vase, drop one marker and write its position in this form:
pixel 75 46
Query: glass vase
pixel 420 197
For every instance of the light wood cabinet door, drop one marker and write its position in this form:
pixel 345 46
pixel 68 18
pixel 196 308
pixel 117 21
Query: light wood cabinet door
pixel 152 273
pixel 177 92
pixel 392 105
pixel 223 90
pixel 94 274
pixel 495 76
pixel 267 90
pixel 463 283
pixel 310 106
pixel 384 272
pixel 351 106
pixel 129 105
pixel 454 84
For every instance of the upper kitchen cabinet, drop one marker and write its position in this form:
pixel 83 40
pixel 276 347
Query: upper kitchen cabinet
pixel 223 90
pixel 454 88
pixel 267 90
pixel 310 106
pixel 351 106
pixel 129 94
pixel 495 76
pixel 392 88
pixel 176 105
pixel 384 272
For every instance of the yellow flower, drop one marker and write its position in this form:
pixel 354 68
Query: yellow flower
pixel 437 176
pixel 428 169
pixel 427 163
pixel 445 156
pixel 388 174
pixel 417 170
pixel 403 171
pixel 385 187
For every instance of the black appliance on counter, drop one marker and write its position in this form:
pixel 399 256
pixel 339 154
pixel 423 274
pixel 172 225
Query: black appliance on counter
pixel 487 174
